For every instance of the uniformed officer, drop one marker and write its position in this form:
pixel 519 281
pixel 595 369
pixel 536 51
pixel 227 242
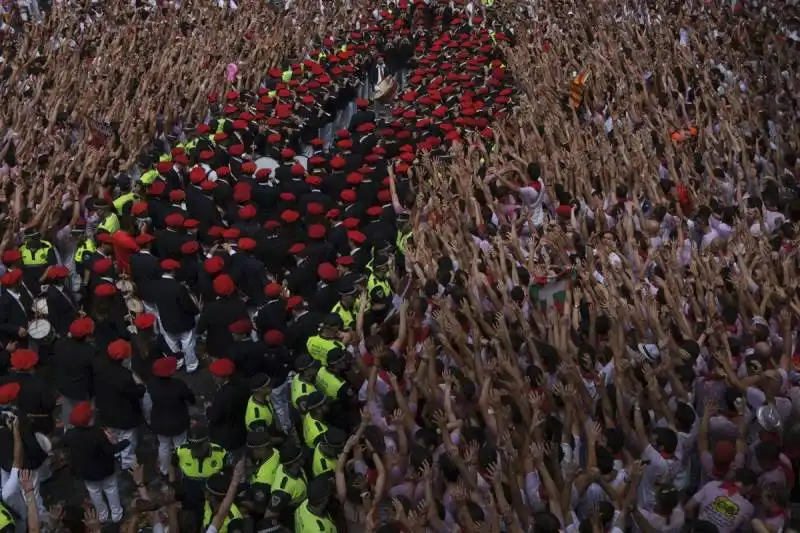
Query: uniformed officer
pixel 379 287
pixel 346 306
pixel 312 515
pixel 328 380
pixel 216 487
pixel 326 453
pixel 302 383
pixel 402 238
pixel 7 522
pixel 197 461
pixel 312 409
pixel 37 254
pixel 259 407
pixel 109 221
pixel 260 444
pixel 321 345
pixel 288 489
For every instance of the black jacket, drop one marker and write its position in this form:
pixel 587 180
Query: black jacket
pixel 91 455
pixel 145 271
pixel 118 396
pixel 171 400
pixel 176 309
pixel 73 371
pixel 61 309
pixel 13 315
pixel 215 319
pixel 226 415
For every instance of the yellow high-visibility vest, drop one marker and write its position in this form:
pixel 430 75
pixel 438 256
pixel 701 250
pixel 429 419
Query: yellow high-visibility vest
pixel 36 257
pixel 204 468
pixel 258 412
pixel 208 516
pixel 110 224
pixel 123 200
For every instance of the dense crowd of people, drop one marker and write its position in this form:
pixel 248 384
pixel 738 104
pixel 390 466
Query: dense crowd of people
pixel 399 266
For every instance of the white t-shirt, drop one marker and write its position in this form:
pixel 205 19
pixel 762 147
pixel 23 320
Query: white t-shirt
pixel 660 470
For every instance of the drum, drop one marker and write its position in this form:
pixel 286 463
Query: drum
pixel 41 331
pixel 303 160
pixel 40 307
pixel 266 162
pixel 125 286
pixel 385 90
pixel 134 305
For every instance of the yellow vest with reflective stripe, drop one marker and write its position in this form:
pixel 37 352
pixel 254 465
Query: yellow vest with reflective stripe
pixel 36 257
pixel 320 464
pixel 374 282
pixel 165 157
pixel 321 56
pixel 272 94
pixel 401 240
pixel 265 474
pixel 286 76
pixel 123 200
pixel 293 486
pixel 299 388
pixel 319 347
pixel 313 429
pixel 329 383
pixel 258 412
pixel 208 516
pixel 86 248
pixel 110 224
pixel 149 177
pixel 345 314
pixel 307 522
pixel 220 127
pixel 6 518
pixel 191 144
pixel 200 468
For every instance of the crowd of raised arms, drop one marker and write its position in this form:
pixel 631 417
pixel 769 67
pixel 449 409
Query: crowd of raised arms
pixel 394 266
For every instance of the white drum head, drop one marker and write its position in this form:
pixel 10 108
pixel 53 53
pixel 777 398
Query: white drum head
pixel 40 306
pixel 125 285
pixel 266 162
pixel 39 329
pixel 303 160
pixel 134 305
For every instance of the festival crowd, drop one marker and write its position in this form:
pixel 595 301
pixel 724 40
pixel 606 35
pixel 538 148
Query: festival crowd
pixel 400 266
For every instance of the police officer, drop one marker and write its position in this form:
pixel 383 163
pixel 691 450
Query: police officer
pixel 7 522
pixel 312 515
pixel 312 409
pixel 109 221
pixel 378 286
pixel 127 197
pixel 302 383
pixel 267 460
pixel 197 461
pixel 326 453
pixel 346 306
pixel 320 346
pixel 216 488
pixel 402 238
pixel 37 254
pixel 259 407
pixel 288 489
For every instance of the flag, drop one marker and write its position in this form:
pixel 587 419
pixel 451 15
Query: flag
pixel 551 290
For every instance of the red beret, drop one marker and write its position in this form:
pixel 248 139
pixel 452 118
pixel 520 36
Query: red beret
pixel 144 321
pixel 316 141
pixel 174 220
pixel 81 327
pixel 11 256
pixel 240 124
pixel 286 197
pixel 119 349
pixel 197 175
pixel 293 302
pixel 314 208
pixel 287 153
pixel 102 265
pixel 327 272
pixel 231 234
pixel 316 231
pixel 314 181
pixel 165 367
pixel 213 265
pixel 138 209
pixel 345 144
pixel 208 185
pixel 333 213
pixel 272 224
pixel 248 167
pixel 357 237
pixel 316 160
pixel 348 195
pixel 384 196
pixel 362 103
pixel 351 223
pixel 105 237
pixel 205 155
pixel 216 231
pixel 144 238
pixel 273 337
pixel 375 211
pixel 247 244
pixel 366 127
pixel 81 415
pixel 236 150
pixel 188 248
pixel 298 169
pixel 191 223
pixel 241 326
pixel 354 178
pixel 564 210
pixel 290 216
pixel 263 173
pixel 11 277
pixel 296 248
pixel 222 171
pixel 23 359
pixel 9 393
pixel 163 167
pixel 247 212
pixel 223 285
pixel 177 196
pixel 274 138
pixel 202 128
pixel 273 290
pixel 57 272
pixel 157 188
pixel 338 162
pixel 170 264
pixel 182 159
pixel 342 134
pixel 222 368
pixel 104 290
pixel 346 260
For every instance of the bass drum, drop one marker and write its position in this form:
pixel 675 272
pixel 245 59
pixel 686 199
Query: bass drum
pixel 41 331
pixel 266 162
pixel 303 160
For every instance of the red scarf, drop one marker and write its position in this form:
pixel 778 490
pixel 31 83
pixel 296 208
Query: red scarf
pixel 730 487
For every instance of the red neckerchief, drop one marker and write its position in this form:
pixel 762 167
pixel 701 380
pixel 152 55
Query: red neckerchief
pixel 775 511
pixel 666 455
pixel 730 487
